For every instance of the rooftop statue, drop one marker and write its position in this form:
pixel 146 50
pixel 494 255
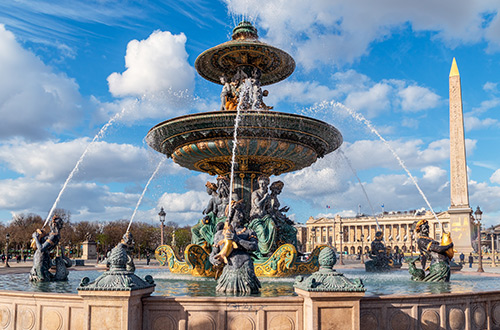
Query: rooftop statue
pixel 438 253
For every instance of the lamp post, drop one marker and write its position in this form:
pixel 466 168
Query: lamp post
pixel 493 261
pixel 7 239
pixel 312 239
pixel 411 242
pixel 479 216
pixel 362 250
pixel 162 215
pixel 341 233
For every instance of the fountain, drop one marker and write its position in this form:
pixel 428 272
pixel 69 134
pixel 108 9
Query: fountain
pixel 269 143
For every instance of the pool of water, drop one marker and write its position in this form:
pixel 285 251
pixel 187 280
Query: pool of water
pixel 168 284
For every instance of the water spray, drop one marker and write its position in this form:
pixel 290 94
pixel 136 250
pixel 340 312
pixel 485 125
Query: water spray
pixel 98 136
pixel 361 185
pixel 244 92
pixel 144 191
pixel 362 119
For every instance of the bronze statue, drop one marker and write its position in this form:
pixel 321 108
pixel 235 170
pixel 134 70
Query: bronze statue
pixel 232 244
pixel 437 253
pixel 203 232
pixel 40 272
pixel 380 261
pixel 287 233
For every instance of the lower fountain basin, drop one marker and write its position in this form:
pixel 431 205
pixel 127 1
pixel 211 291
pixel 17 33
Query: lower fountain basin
pixel 396 282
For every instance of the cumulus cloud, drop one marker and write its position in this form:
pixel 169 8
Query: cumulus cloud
pixel 184 207
pixel 336 32
pixel 332 180
pixel 415 98
pixel 433 173
pixel 154 65
pixel 357 91
pixel 34 100
pixel 474 123
pixel 495 177
pixel 39 177
pixel 53 160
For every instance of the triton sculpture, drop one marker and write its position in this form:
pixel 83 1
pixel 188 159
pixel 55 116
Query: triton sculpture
pixel 44 243
pixel 439 255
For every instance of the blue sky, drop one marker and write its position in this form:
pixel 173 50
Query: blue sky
pixel 68 67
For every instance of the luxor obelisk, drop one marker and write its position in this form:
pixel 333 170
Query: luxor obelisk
pixel 459 210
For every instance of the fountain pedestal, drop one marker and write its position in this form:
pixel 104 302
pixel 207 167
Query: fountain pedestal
pixel 331 301
pixel 331 310
pixel 120 310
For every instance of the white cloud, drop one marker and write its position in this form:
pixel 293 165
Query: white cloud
pixel 372 101
pixel 34 101
pixel 433 173
pixel 155 106
pixel 184 207
pixel 154 65
pixel 495 177
pixel 335 32
pixel 53 160
pixel 359 92
pixel 416 98
pixel 330 181
pixel 475 123
pixel 490 87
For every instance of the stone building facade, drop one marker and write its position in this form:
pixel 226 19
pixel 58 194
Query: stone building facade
pixel 359 232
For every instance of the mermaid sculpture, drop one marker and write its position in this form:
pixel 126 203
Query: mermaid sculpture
pixel 438 253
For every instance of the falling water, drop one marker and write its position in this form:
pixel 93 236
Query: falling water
pixel 144 191
pixel 75 169
pixel 244 95
pixel 361 184
pixel 362 119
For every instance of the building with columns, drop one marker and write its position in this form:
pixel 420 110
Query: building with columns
pixel 355 234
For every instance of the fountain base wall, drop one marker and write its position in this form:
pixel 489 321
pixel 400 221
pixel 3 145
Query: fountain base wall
pixel 137 310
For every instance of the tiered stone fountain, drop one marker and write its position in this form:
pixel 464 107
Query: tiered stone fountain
pixel 269 142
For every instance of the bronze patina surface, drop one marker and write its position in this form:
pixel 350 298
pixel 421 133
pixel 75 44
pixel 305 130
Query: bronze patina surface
pixel 245 51
pixel 269 142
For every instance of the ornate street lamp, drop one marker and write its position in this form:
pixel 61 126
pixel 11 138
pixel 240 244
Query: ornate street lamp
pixel 479 216
pixel 162 215
pixel 362 250
pixel 7 239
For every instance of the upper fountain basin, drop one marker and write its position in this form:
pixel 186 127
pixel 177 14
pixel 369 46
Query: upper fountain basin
pixel 268 142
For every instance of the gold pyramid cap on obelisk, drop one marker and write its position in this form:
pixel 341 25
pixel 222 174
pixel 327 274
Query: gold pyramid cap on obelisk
pixel 454 69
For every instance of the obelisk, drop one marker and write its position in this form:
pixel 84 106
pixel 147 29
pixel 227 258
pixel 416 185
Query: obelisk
pixel 459 210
